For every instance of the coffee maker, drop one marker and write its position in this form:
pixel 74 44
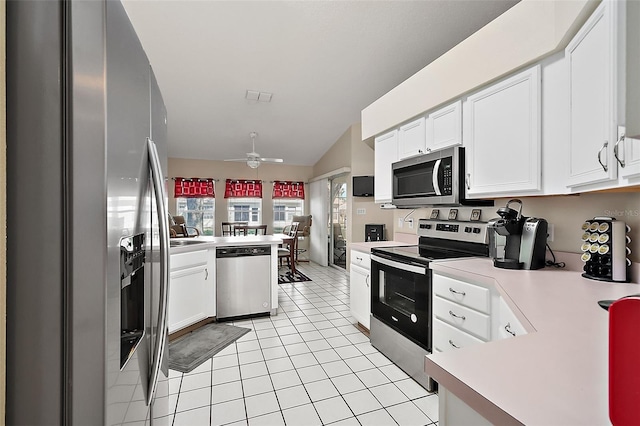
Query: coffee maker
pixel 516 241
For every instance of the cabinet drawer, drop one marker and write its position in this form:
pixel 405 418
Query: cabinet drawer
pixel 185 260
pixel 447 338
pixel 471 295
pixel 361 259
pixel 462 317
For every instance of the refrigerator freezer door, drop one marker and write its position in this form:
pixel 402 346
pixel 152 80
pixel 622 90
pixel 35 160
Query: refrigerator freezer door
pixel 129 209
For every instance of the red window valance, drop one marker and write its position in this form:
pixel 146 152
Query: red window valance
pixel 194 187
pixel 243 188
pixel 286 189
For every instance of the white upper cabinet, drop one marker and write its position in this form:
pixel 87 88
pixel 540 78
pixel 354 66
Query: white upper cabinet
pixel 444 127
pixel 386 153
pixel 628 156
pixel 593 65
pixel 502 137
pixel 411 139
pixel 632 75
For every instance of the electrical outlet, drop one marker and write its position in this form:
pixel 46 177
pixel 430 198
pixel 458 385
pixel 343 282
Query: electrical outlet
pixel 410 222
pixel 550 232
pixel 399 222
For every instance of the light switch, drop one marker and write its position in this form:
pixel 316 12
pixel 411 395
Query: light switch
pixel 361 211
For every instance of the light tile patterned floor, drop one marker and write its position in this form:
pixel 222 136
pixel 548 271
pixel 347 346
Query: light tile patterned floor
pixel 306 366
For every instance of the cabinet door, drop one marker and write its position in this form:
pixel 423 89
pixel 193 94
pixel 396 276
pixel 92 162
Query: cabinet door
pixel 629 157
pixel 508 324
pixel 411 139
pixel 444 127
pixel 360 294
pixel 502 137
pixel 188 296
pixel 386 153
pixel 592 68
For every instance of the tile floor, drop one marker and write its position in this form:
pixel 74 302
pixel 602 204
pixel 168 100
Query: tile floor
pixel 308 365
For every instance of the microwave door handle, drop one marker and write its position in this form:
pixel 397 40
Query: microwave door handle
pixel 434 177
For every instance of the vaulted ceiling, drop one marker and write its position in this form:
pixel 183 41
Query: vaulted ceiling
pixel 322 61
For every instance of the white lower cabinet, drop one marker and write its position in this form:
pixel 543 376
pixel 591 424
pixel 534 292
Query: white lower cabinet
pixel 360 287
pixel 191 289
pixel 466 314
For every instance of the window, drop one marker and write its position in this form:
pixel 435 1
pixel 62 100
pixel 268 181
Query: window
pixel 196 200
pixel 245 210
pixel 283 211
pixel 288 201
pixel 198 212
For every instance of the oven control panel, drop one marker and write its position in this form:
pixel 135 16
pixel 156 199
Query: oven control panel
pixel 473 232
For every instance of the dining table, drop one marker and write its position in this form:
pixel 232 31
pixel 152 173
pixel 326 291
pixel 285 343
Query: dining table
pixel 289 241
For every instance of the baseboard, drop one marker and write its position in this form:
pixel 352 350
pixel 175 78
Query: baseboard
pixel 191 328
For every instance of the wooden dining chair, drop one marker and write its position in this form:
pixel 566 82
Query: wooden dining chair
pixel 285 252
pixel 250 230
pixel 227 228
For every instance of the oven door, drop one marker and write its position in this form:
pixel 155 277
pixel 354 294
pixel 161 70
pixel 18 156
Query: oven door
pixel 401 297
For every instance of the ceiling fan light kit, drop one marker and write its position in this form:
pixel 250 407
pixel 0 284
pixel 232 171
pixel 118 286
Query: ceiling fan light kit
pixel 253 159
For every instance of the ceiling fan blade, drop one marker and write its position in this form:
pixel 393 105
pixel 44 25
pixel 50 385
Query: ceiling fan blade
pixel 271 160
pixel 238 159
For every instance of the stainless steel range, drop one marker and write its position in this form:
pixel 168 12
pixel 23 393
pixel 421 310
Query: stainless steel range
pixel 401 317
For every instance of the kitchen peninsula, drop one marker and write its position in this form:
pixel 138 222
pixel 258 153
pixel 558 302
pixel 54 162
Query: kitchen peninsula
pixel 557 373
pixel 193 286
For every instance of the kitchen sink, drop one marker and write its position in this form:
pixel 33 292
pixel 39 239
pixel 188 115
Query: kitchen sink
pixel 182 243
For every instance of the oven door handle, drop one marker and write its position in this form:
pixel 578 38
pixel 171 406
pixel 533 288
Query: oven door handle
pixel 400 265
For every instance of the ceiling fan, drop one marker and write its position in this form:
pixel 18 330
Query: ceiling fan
pixel 253 159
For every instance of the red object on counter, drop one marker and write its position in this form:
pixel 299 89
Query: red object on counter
pixel 624 361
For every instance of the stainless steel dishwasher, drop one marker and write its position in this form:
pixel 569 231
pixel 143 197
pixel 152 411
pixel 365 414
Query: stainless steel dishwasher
pixel 243 281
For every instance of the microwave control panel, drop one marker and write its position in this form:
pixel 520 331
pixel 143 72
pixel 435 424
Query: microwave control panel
pixel 447 176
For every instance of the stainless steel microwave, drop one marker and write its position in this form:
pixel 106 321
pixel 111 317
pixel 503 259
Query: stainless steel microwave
pixel 433 179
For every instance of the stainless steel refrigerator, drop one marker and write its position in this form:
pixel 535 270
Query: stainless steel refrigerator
pixel 87 245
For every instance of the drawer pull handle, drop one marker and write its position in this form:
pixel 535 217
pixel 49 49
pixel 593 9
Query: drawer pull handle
pixel 394 318
pixel 359 258
pixel 462 317
pixel 507 328
pixel 453 344
pixel 366 280
pixel 206 274
pixel 462 293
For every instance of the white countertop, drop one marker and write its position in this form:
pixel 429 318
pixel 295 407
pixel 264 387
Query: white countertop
pixel 210 242
pixel 556 374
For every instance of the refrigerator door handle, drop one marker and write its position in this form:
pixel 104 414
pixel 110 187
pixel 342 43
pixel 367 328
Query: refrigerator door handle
pixel 157 179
